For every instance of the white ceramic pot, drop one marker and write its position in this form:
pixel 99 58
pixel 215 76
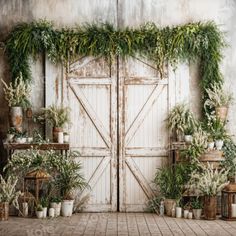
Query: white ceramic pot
pixel 210 145
pixel 66 138
pixel 219 144
pixel 10 137
pixel 197 213
pixel 45 209
pixel 39 214
pixel 178 212
pixel 51 212
pixel 30 139
pixel 25 209
pixel 20 140
pixel 67 207
pixel 186 214
pixel 188 138
pixel 190 215
pixel 57 208
pixel 60 137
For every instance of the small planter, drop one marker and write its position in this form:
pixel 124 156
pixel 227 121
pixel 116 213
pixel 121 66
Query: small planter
pixel 57 207
pixel 51 212
pixel 219 144
pixel 16 117
pixel 67 207
pixel 186 214
pixel 169 204
pixel 45 209
pixel 10 137
pixel 29 139
pixel 210 207
pixel 20 140
pixel 66 138
pixel 222 112
pixel 39 214
pixel 55 131
pixel 197 213
pixel 178 212
pixel 210 145
pixel 188 138
pixel 4 211
pixel 60 137
pixel 190 215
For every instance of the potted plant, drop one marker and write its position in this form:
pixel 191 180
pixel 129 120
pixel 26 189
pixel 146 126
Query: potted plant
pixel 39 211
pixel 219 100
pixel 171 182
pixel 210 143
pixel 69 180
pixel 196 205
pixel 188 134
pixel 208 181
pixel 20 137
pixel 66 137
pixel 179 119
pixel 57 117
pixel 218 132
pixel 44 204
pixel 8 195
pixel 17 94
pixel 11 134
pixel 178 209
pixel 55 203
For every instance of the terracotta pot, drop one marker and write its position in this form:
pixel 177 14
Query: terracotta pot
pixel 16 117
pixel 169 204
pixel 55 132
pixel 210 204
pixel 4 211
pixel 221 112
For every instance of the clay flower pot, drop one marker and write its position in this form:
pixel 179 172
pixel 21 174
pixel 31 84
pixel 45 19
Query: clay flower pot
pixel 210 207
pixel 16 117
pixel 222 112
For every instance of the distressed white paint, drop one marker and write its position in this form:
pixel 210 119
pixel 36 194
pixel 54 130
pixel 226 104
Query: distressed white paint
pixel 93 130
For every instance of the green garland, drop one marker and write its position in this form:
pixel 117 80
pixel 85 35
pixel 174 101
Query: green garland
pixel 192 41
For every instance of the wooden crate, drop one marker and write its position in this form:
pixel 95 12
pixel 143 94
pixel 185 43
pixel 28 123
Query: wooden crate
pixel 213 157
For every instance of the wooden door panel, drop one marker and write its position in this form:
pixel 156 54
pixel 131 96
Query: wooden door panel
pixel 143 137
pixel 91 91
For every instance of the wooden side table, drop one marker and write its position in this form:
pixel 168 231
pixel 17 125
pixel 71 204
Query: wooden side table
pixel 11 147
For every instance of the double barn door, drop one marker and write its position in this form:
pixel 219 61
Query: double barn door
pixel 118 113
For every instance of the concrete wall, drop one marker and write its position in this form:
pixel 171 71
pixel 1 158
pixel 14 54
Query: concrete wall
pixel 121 13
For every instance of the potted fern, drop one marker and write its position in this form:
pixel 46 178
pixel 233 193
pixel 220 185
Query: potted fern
pixel 219 100
pixel 209 182
pixel 196 205
pixel 17 95
pixel 171 182
pixel 179 119
pixel 68 181
pixel 57 117
pixel 8 195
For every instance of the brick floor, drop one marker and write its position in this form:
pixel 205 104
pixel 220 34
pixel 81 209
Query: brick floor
pixel 114 224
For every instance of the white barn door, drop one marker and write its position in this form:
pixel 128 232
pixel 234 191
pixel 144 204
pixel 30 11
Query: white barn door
pixel 118 115
pixel 92 98
pixel 143 137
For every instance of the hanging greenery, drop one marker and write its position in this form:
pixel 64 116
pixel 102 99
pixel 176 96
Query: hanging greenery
pixel 192 41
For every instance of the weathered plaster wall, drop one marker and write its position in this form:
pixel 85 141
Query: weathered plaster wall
pixel 121 13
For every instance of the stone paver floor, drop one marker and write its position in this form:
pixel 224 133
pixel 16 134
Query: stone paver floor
pixel 114 224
